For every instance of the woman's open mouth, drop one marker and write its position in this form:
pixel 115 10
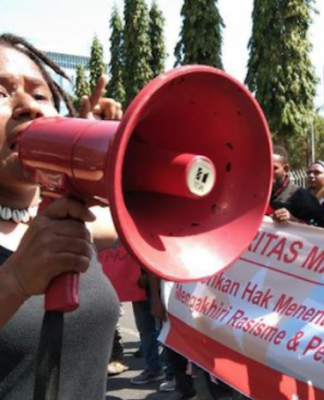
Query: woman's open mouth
pixel 15 147
pixel 16 135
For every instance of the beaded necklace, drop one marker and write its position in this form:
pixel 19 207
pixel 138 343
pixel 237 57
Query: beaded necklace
pixel 23 215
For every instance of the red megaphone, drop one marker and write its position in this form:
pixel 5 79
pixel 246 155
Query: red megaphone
pixel 159 172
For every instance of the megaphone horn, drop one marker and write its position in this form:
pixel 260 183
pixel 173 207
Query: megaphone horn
pixel 173 214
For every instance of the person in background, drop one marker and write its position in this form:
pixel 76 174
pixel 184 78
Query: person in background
pixel 117 364
pixel 124 273
pixel 288 201
pixel 36 246
pixel 315 181
pixel 283 187
pixel 148 327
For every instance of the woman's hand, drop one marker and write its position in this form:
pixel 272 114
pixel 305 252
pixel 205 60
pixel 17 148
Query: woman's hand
pixel 98 107
pixel 57 241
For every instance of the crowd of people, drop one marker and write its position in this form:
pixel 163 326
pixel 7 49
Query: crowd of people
pixel 36 246
pixel 290 202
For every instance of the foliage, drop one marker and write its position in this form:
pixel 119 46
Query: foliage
pixel 280 73
pixel 300 154
pixel 137 47
pixel 157 39
pixel 115 87
pixel 319 137
pixel 201 34
pixel 82 86
pixel 96 64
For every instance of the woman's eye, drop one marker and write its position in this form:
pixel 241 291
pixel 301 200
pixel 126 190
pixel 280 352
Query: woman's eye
pixel 3 93
pixel 41 97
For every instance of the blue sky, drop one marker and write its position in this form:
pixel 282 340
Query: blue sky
pixel 68 26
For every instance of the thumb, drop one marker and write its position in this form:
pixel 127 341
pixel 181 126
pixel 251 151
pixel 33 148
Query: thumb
pixel 66 208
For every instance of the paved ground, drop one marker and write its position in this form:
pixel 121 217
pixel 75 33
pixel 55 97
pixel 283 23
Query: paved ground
pixel 120 388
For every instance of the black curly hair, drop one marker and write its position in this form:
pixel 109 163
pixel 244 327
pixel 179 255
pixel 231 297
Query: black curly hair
pixel 41 60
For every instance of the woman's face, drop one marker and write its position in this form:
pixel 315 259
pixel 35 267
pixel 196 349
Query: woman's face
pixel 315 177
pixel 24 96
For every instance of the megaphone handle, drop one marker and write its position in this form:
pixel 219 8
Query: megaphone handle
pixel 63 293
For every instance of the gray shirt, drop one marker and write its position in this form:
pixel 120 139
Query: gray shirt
pixel 87 342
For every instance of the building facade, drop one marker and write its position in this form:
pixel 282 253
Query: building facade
pixel 69 63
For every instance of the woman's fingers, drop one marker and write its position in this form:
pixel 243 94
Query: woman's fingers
pixel 98 91
pixel 68 208
pixel 57 241
pixel 96 106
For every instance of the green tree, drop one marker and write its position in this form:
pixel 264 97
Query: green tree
pixel 115 87
pixel 82 87
pixel 201 34
pixel 301 147
pixel 137 47
pixel 156 34
pixel 96 63
pixel 318 125
pixel 280 73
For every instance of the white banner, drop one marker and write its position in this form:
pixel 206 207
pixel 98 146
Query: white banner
pixel 267 310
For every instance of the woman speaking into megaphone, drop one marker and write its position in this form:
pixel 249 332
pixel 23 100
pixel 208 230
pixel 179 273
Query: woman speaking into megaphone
pixel 36 247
